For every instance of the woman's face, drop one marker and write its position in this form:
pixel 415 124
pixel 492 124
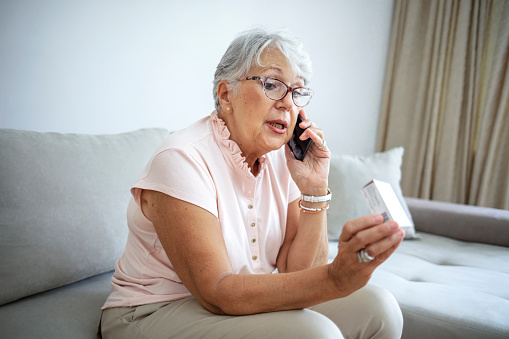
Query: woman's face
pixel 259 124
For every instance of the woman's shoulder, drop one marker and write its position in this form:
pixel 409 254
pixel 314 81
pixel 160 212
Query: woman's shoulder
pixel 184 159
pixel 191 146
pixel 191 135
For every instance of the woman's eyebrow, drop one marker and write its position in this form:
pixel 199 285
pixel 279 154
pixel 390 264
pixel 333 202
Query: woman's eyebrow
pixel 280 73
pixel 273 68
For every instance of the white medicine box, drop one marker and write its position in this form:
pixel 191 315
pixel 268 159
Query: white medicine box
pixel 382 199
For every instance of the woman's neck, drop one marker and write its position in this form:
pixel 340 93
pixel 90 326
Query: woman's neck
pixel 251 157
pixel 254 167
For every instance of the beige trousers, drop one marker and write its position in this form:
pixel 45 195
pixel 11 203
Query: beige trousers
pixel 371 312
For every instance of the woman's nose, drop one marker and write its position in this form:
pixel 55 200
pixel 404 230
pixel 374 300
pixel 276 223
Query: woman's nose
pixel 287 101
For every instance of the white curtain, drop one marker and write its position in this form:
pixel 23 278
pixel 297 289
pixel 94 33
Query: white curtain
pixel 446 99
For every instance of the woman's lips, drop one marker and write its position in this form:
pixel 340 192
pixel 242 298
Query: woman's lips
pixel 277 126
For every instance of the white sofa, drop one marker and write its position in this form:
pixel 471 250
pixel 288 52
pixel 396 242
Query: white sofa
pixel 62 227
pixel 453 280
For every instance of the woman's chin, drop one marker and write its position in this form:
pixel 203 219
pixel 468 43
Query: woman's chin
pixel 273 143
pixel 274 146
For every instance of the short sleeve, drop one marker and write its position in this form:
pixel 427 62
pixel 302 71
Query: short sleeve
pixel 293 192
pixel 180 175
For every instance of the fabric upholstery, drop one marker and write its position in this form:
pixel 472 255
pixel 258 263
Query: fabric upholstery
pixel 49 183
pixel 63 201
pixel 447 288
pixel 348 174
pixel 71 311
pixel 450 288
pixel 461 221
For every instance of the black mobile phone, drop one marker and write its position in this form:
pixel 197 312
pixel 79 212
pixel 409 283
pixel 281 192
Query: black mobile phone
pixel 299 147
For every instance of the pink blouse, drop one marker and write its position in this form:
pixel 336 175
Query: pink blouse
pixel 202 166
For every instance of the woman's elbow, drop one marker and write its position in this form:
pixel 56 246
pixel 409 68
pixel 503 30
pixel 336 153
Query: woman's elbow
pixel 210 301
pixel 224 307
pixel 221 300
pixel 213 309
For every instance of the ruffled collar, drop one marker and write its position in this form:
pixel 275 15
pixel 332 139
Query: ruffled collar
pixel 222 136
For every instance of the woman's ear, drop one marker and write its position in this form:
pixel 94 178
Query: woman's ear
pixel 224 95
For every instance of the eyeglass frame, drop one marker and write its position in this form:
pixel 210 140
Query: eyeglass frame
pixel 288 88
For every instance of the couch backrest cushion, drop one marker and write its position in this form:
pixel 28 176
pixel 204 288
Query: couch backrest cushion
pixel 463 222
pixel 63 199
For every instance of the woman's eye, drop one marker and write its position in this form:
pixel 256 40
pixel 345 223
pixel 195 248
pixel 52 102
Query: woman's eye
pixel 269 86
pixel 302 93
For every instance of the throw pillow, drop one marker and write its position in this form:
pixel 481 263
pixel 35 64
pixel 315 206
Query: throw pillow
pixel 348 174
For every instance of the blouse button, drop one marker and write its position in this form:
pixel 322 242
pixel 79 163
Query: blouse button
pixel 255 257
pixel 253 224
pixel 253 240
pixel 250 206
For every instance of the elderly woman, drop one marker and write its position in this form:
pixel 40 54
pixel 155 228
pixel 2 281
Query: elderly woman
pixel 227 230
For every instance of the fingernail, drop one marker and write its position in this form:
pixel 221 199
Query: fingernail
pixel 392 225
pixel 378 218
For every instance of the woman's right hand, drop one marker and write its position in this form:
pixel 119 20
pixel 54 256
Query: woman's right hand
pixel 378 240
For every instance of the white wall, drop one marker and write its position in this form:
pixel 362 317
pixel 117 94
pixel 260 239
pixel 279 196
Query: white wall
pixel 112 66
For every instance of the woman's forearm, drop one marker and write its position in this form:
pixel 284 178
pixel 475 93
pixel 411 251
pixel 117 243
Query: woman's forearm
pixel 309 248
pixel 256 293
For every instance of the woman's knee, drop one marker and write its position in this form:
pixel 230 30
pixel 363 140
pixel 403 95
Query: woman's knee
pixel 386 318
pixel 371 312
pixel 301 324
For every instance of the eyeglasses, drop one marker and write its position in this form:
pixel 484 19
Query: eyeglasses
pixel 276 90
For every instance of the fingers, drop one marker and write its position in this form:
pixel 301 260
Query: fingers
pixel 381 250
pixel 303 115
pixel 352 269
pixel 380 238
pixel 381 247
pixel 314 133
pixel 311 132
pixel 311 127
pixel 382 256
pixel 372 236
pixel 353 227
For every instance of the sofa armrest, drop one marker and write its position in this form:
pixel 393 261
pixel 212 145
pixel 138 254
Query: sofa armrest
pixel 462 222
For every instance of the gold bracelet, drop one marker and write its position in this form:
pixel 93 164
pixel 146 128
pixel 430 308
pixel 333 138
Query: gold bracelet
pixel 312 210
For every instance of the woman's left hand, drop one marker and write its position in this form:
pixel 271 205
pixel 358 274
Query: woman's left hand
pixel 311 175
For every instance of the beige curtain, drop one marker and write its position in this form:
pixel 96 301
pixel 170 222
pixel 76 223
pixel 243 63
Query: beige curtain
pixel 446 99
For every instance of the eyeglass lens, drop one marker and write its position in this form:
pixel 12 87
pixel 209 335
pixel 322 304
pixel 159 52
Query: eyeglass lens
pixel 276 90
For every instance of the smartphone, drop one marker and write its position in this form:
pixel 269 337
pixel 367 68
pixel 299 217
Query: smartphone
pixel 299 147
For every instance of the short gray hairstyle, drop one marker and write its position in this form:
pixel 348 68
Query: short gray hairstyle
pixel 246 50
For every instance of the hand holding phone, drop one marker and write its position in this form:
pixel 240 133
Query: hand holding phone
pixel 299 147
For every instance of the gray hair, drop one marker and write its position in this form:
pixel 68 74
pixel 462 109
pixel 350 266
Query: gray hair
pixel 246 50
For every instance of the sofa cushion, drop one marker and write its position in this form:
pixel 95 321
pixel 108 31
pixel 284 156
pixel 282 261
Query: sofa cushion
pixel 71 311
pixel 348 174
pixel 62 205
pixel 447 288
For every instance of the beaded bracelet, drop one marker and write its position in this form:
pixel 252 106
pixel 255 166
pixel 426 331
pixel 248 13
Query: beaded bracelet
pixel 312 210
